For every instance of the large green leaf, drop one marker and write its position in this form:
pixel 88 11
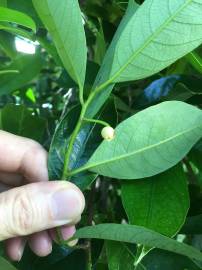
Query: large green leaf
pixel 115 253
pixel 64 22
pixel 20 121
pixel 139 235
pixel 149 142
pixel 152 40
pixel 159 203
pixel 9 15
pixel 28 66
pixel 149 39
pixel 103 74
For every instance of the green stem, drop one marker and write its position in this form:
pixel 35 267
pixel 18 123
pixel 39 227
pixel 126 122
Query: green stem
pixel 79 170
pixel 96 121
pixel 142 251
pixel 66 168
pixel 8 71
pixel 81 95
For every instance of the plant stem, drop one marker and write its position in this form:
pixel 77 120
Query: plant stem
pixel 66 167
pixel 81 95
pixel 96 121
pixel 140 254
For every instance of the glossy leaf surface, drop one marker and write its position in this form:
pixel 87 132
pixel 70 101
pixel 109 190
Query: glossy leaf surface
pixel 137 234
pixel 158 137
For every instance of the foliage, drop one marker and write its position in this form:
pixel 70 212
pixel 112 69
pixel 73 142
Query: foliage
pixel 142 187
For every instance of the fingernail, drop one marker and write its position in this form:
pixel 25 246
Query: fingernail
pixel 66 206
pixel 68 232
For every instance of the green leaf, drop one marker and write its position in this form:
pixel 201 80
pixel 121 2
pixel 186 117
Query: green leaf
pixel 160 259
pixel 86 142
pixel 138 235
pixel 193 225
pixel 9 15
pixel 25 7
pixel 148 41
pixel 152 51
pixel 115 253
pixel 7 44
pixel 195 60
pixel 5 265
pixel 159 203
pixel 100 46
pixel 3 3
pixel 28 66
pixel 20 121
pixel 64 22
pixel 103 74
pixel 16 31
pixel 149 142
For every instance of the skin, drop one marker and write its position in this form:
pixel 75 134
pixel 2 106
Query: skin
pixel 28 213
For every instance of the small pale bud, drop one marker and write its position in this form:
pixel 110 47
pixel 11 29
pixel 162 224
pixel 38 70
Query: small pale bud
pixel 108 133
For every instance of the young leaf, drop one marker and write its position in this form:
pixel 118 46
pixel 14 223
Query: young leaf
pixel 159 203
pixel 9 15
pixel 138 235
pixel 64 22
pixel 149 142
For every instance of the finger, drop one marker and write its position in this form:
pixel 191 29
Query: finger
pixel 12 179
pixel 66 232
pixel 41 243
pixel 24 156
pixel 39 206
pixel 14 248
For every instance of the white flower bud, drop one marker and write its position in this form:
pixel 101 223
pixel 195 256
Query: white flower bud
pixel 108 133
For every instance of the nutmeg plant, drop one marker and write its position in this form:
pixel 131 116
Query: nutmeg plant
pixel 113 92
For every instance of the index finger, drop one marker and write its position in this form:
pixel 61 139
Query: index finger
pixel 24 156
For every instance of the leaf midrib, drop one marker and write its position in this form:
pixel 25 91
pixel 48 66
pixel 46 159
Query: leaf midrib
pixel 61 41
pixel 149 40
pixel 87 167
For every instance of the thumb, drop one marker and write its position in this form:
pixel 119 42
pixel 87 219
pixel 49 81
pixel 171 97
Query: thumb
pixel 39 206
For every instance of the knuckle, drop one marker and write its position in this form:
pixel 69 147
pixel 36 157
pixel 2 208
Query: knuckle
pixel 23 214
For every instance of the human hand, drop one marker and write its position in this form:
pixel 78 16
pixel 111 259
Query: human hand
pixel 30 205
